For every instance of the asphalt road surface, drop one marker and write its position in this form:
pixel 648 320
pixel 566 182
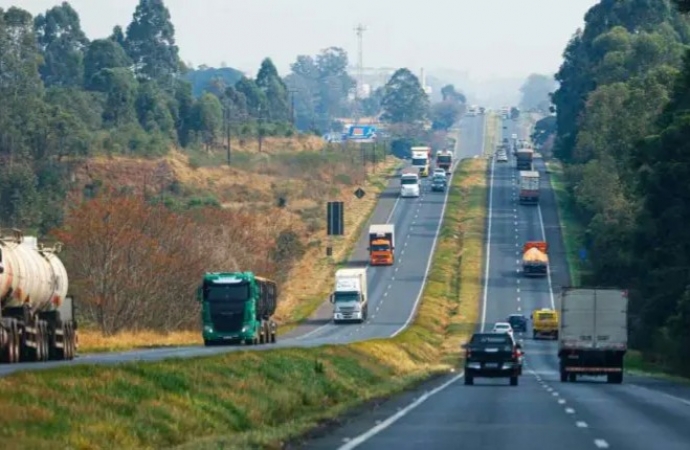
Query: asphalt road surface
pixel 542 412
pixel 393 291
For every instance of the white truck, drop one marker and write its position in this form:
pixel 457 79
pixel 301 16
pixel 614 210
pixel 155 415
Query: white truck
pixel 529 187
pixel 421 160
pixel 593 333
pixel 350 297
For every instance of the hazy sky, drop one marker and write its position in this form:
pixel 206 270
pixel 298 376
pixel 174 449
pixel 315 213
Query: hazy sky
pixel 487 38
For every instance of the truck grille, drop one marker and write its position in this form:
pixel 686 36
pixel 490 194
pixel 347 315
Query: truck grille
pixel 227 318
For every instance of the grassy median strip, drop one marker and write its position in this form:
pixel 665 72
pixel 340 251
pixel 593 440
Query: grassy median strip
pixel 258 398
pixel 571 226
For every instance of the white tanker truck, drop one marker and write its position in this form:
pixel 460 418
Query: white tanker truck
pixel 36 315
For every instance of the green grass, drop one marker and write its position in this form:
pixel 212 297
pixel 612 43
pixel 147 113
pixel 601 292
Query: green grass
pixel 259 399
pixel 572 228
pixel 636 364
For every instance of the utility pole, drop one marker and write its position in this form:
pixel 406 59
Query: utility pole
pixel 227 121
pixel 360 69
pixel 292 105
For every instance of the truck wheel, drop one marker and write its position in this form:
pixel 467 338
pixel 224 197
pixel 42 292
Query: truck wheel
pixel 469 380
pixel 11 353
pixel 572 377
pixel 514 381
pixel 614 378
pixel 534 335
pixel 273 337
pixel 564 376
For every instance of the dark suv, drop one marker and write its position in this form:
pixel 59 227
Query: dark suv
pixel 492 355
pixel 518 323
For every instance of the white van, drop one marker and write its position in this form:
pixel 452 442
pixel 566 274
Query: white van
pixel 409 185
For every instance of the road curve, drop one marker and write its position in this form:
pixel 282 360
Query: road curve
pixel 417 222
pixel 542 412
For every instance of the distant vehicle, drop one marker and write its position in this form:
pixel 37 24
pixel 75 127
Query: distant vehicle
pixel 444 160
pixel 503 327
pixel 420 160
pixel 535 259
pixel 529 187
pixel 381 244
pixel 502 157
pixel 349 297
pixel 439 172
pixel 409 185
pixel 513 136
pixel 518 322
pixel 439 183
pixel 492 355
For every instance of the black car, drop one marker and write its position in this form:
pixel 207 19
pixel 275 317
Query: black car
pixel 518 322
pixel 492 355
pixel 439 183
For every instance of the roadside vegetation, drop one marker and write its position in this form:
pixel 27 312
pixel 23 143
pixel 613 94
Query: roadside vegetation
pixel 621 134
pixel 260 398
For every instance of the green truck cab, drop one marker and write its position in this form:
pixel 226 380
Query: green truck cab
pixel 237 307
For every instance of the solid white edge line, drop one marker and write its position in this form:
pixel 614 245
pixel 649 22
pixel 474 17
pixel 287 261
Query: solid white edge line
pixel 548 269
pixel 355 442
pixel 430 259
pixel 362 438
pixel 487 252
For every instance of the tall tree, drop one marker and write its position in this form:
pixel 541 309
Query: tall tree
pixel 536 92
pixel 103 54
pixel 150 42
pixel 62 42
pixel 404 100
pixel 268 80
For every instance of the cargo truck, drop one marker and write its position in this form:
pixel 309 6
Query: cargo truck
pixel 421 160
pixel 238 307
pixel 529 187
pixel 36 314
pixel 349 298
pixel 524 158
pixel 544 323
pixel 444 160
pixel 593 333
pixel 381 245
pixel 535 259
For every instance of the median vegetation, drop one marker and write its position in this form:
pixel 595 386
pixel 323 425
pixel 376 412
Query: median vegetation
pixel 260 398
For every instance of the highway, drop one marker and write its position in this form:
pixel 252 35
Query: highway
pixel 394 292
pixel 542 412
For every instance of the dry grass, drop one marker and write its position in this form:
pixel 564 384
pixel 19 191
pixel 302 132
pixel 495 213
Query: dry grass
pixel 310 279
pixel 258 399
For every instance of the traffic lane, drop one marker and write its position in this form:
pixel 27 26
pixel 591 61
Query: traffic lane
pixel 560 273
pixel 623 416
pixel 471 142
pixel 379 278
pixel 400 299
pixel 489 415
pixel 384 211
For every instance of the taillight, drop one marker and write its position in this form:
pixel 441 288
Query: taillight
pixel 468 353
pixel 516 353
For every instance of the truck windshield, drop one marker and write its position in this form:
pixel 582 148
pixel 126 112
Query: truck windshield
pixel 346 297
pixel 226 293
pixel 380 247
pixel 545 316
pixel 444 159
pixel 408 180
pixel 419 161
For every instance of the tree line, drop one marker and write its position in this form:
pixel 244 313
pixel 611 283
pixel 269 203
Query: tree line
pixel 623 132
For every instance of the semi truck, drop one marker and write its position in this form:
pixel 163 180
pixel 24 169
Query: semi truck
pixel 524 158
pixel 350 296
pixel 535 259
pixel 381 244
pixel 593 335
pixel 238 307
pixel 36 315
pixel 421 160
pixel 529 187
pixel 444 160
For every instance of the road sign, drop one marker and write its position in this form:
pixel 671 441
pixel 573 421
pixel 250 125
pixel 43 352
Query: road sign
pixel 335 217
pixel 359 193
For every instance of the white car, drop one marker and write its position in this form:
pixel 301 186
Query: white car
pixel 409 185
pixel 503 327
pixel 502 157
pixel 513 136
pixel 439 172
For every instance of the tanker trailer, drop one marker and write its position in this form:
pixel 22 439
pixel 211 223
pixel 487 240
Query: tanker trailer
pixel 36 315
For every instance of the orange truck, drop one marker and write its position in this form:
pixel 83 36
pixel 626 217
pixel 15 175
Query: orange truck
pixel 381 244
pixel 535 259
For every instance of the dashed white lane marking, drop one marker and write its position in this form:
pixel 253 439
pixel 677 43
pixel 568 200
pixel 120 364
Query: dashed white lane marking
pixel 561 401
pixel 555 394
pixel 600 443
pixel 518 289
pixel 519 309
pixel 581 424
pixel 396 269
pixel 569 411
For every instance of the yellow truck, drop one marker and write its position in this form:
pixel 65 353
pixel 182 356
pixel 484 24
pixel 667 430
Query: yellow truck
pixel 544 323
